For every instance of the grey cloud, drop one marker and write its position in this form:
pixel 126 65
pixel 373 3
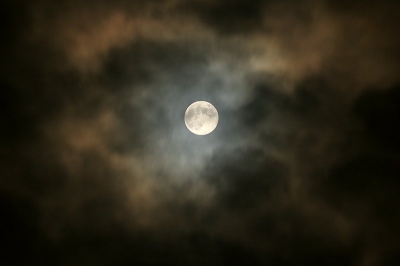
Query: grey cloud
pixel 98 167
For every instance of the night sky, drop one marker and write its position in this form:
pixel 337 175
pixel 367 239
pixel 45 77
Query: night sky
pixel 98 168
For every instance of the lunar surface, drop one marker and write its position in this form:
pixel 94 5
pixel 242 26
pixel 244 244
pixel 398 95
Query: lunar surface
pixel 201 118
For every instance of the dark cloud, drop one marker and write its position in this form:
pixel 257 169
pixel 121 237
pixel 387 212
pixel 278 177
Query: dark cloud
pixel 378 112
pixel 98 167
pixel 228 17
pixel 19 226
pixel 245 178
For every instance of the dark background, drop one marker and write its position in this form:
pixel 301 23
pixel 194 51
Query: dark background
pixel 98 168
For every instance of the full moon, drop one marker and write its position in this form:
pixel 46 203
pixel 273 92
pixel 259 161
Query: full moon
pixel 201 118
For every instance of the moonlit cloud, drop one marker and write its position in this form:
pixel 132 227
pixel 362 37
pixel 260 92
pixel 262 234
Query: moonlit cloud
pixel 99 168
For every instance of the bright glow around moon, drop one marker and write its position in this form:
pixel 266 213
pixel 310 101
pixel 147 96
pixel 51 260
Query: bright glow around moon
pixel 201 118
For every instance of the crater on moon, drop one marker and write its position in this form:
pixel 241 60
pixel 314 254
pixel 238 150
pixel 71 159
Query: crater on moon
pixel 201 118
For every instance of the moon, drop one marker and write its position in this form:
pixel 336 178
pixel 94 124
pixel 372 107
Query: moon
pixel 201 118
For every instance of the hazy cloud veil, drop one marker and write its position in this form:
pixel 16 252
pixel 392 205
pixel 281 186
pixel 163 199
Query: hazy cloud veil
pixel 98 167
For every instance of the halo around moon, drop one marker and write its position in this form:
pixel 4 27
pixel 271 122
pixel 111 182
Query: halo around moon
pixel 201 118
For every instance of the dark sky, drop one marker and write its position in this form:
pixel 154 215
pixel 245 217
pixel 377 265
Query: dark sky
pixel 98 168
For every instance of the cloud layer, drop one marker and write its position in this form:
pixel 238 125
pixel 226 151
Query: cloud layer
pixel 98 167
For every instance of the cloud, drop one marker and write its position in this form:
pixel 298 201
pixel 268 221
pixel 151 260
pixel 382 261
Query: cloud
pixel 227 17
pixel 99 168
